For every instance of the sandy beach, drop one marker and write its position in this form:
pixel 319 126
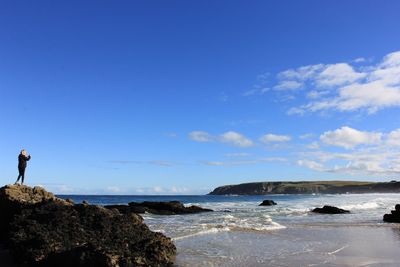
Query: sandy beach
pixel 307 245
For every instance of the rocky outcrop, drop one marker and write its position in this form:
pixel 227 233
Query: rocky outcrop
pixel 330 210
pixel 14 198
pixel 160 208
pixel 311 187
pixel 42 230
pixel 394 216
pixel 268 202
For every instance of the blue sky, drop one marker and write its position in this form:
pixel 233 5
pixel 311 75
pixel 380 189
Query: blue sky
pixel 178 97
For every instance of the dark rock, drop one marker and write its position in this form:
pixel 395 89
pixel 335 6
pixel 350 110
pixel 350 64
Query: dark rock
pixel 84 202
pixel 53 232
pixel 160 208
pixel 394 217
pixel 226 210
pixel 330 210
pixel 15 198
pixel 124 209
pixel 268 202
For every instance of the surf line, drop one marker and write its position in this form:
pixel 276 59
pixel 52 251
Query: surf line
pixel 339 249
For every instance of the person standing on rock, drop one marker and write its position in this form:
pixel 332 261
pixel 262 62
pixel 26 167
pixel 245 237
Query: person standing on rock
pixel 22 159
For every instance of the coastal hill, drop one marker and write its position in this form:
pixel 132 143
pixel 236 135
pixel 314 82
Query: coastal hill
pixel 307 187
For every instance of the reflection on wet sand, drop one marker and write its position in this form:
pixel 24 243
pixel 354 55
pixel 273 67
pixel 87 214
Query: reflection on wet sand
pixel 295 246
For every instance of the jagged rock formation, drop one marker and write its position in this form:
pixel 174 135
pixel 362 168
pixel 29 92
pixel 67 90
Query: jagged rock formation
pixel 330 210
pixel 42 230
pixel 267 202
pixel 161 208
pixel 319 187
pixel 394 216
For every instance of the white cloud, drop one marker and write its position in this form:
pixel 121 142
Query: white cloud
pixel 313 165
pixel 256 91
pixel 235 139
pixel 288 85
pixel 244 162
pixel 314 94
pixel 164 163
pixel 393 138
pixel 230 137
pixel 371 88
pixel 391 60
pixel 271 159
pixel 349 138
pixel 200 136
pixel 139 190
pixel 376 161
pixel 313 145
pixel 359 59
pixel 296 111
pixel 160 190
pixel 302 73
pixel 215 163
pixel 61 189
pixel 113 189
pixel 321 75
pixel 306 136
pixel 272 138
pixel 372 153
pixel 337 74
pixel 157 189
pixel 179 190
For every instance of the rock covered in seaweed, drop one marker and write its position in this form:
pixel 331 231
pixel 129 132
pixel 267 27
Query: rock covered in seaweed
pixel 394 216
pixel 160 208
pixel 330 210
pixel 46 231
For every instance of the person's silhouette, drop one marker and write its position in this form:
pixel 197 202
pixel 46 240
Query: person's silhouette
pixel 22 159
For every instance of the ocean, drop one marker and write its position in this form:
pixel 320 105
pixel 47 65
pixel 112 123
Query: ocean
pixel 241 233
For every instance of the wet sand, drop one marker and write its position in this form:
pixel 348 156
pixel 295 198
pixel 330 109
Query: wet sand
pixel 299 245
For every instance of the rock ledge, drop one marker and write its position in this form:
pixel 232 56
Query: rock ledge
pixel 160 208
pixel 394 216
pixel 43 230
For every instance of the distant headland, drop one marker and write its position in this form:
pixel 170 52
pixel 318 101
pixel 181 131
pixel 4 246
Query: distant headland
pixel 307 187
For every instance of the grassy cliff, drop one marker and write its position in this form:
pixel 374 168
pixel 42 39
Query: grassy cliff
pixel 307 187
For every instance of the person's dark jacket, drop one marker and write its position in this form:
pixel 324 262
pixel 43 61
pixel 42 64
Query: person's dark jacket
pixel 22 161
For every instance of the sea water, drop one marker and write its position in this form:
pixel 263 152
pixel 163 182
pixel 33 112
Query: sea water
pixel 241 233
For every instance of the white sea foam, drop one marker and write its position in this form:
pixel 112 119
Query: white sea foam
pixel 258 223
pixel 361 206
pixel 247 216
pixel 203 232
